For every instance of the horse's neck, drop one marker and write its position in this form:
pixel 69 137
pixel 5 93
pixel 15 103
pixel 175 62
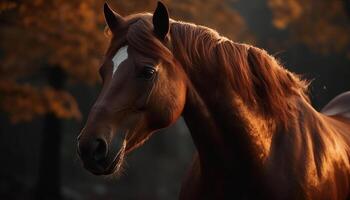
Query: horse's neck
pixel 222 126
pixel 229 150
pixel 224 129
pixel 232 140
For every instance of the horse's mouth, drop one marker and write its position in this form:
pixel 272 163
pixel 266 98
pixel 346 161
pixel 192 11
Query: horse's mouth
pixel 117 162
pixel 116 165
pixel 121 145
pixel 113 164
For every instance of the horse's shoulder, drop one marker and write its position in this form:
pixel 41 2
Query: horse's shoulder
pixel 340 106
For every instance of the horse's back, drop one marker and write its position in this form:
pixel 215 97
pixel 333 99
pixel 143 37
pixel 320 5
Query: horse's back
pixel 337 113
pixel 339 106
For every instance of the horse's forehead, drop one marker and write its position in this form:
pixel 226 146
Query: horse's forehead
pixel 119 57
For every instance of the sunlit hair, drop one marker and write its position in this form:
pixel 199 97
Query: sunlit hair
pixel 254 76
pixel 141 37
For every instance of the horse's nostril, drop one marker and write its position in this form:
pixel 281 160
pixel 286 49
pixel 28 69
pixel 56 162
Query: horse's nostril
pixel 100 150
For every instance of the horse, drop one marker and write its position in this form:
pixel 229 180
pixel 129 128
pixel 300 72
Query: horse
pixel 255 132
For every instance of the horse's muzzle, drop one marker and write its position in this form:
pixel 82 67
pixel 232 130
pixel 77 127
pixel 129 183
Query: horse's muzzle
pixel 102 157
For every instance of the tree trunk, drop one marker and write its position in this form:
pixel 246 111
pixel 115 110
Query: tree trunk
pixel 347 6
pixel 49 182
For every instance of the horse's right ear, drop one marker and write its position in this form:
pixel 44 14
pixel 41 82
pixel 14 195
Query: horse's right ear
pixel 113 19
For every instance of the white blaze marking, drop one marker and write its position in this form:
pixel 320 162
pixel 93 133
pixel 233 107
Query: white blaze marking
pixel 119 57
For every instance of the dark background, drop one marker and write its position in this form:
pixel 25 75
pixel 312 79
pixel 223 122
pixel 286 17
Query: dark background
pixel 49 56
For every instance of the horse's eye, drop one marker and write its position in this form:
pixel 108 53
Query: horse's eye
pixel 147 73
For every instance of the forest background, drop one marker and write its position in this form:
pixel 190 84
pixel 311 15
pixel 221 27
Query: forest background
pixel 49 58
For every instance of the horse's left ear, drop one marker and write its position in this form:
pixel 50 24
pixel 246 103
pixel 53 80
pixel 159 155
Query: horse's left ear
pixel 161 21
pixel 113 19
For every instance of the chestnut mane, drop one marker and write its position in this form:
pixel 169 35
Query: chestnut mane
pixel 254 75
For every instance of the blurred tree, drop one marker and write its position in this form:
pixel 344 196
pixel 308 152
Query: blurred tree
pixel 47 44
pixel 44 45
pixel 324 26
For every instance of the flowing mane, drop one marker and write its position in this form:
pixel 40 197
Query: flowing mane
pixel 251 72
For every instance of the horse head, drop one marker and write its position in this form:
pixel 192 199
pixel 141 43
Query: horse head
pixel 143 90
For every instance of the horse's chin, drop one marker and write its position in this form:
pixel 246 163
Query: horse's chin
pixel 116 166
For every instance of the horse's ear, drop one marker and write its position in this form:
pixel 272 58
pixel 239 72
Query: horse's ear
pixel 113 19
pixel 161 21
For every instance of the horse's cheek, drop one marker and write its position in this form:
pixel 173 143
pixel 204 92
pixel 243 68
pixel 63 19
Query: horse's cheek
pixel 158 115
pixel 159 119
pixel 167 114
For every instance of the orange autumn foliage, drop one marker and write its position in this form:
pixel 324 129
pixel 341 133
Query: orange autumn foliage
pixel 324 26
pixel 24 102
pixel 37 34
pixel 44 34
